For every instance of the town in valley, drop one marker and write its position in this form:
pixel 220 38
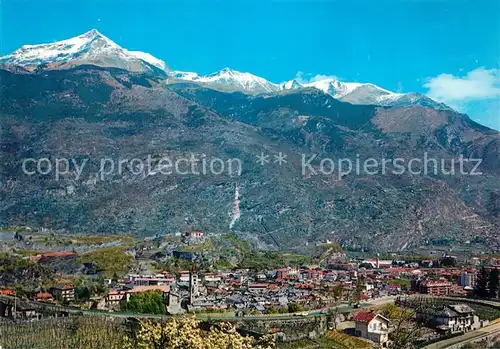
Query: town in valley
pixel 363 298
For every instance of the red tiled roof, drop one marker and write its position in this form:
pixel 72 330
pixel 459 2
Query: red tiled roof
pixel 7 292
pixel 364 316
pixel 43 295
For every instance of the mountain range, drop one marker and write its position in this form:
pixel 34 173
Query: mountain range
pixel 88 99
pixel 94 48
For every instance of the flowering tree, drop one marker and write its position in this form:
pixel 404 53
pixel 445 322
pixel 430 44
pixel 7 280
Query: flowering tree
pixel 185 333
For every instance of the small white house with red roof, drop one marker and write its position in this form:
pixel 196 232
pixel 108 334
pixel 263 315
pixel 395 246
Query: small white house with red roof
pixel 372 326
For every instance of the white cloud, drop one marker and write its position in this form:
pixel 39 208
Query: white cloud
pixel 476 93
pixel 478 84
pixel 304 78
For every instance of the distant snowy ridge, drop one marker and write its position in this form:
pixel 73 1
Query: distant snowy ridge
pixel 365 93
pixel 229 79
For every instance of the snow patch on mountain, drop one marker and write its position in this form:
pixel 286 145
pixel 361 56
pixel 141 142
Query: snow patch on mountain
pixel 149 58
pixel 331 86
pixel 229 79
pixel 291 85
pixel 183 75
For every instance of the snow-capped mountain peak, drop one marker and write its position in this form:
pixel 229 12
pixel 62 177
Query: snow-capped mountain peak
pixel 246 80
pixel 94 34
pixel 229 79
pixel 91 47
pixel 61 50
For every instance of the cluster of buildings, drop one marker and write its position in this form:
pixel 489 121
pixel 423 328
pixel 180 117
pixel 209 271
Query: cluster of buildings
pixel 62 293
pixel 261 291
pixel 238 290
pixel 265 290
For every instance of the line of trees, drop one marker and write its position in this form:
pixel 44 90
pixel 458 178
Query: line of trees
pixel 487 283
pixel 150 302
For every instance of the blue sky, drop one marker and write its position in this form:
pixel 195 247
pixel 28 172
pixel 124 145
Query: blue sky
pixel 448 49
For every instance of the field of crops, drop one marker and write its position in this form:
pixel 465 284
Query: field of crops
pixel 72 332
